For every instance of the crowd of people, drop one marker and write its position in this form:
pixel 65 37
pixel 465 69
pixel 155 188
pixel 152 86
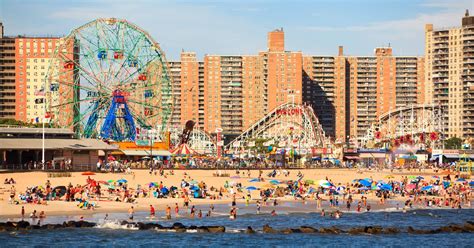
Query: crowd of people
pixel 450 190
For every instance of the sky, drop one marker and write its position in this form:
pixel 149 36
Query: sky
pixel 239 27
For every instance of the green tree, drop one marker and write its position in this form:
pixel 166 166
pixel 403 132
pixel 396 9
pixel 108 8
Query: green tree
pixel 453 143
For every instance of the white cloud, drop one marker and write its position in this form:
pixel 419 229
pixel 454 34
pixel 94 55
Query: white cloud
pixel 451 18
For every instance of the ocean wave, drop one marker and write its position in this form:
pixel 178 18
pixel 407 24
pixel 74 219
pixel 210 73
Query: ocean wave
pixel 115 225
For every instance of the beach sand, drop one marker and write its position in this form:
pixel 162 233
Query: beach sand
pixel 142 177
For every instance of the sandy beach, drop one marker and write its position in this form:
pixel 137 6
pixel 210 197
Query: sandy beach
pixel 142 177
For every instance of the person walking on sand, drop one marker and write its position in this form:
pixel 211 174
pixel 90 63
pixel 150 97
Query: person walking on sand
pixel 130 213
pixel 22 212
pixel 176 209
pixel 152 211
pixel 168 212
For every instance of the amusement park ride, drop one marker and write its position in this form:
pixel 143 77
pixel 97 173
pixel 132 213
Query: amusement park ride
pixel 108 78
pixel 414 127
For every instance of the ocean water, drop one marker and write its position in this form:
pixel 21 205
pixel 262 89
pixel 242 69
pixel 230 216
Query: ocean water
pixel 111 234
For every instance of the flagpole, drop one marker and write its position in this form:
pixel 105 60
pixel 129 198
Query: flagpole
pixel 44 114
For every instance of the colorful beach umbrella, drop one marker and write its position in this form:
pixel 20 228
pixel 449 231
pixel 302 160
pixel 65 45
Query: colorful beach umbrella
pixel 426 188
pixel 110 181
pixel 255 180
pixel 122 181
pixel 275 182
pixel 340 188
pixel 325 184
pixel 411 186
pixel 460 180
pixel 250 188
pixel 365 183
pixel 88 173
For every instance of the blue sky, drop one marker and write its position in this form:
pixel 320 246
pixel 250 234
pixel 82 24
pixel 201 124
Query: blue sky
pixel 240 26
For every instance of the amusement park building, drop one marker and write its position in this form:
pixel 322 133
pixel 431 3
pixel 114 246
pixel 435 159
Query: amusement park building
pixel 450 75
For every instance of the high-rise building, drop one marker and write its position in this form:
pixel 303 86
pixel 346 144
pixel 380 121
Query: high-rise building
pixel 449 74
pixel 33 57
pixel 7 76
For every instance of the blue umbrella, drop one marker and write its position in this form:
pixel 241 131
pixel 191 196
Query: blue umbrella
pixel 420 178
pixel 165 190
pixel 426 188
pixel 460 180
pixel 446 184
pixel 364 188
pixel 251 188
pixel 365 183
pixel 368 179
pixel 255 180
pixel 274 182
pixel 386 187
pixel 194 187
pixel 471 183
pixel 122 181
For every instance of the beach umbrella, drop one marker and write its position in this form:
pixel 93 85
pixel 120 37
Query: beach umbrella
pixel 420 178
pixel 194 187
pixel 274 182
pixel 193 182
pixel 389 176
pixel 255 180
pixel 386 187
pixel 363 188
pixel 122 181
pixel 325 184
pixel 365 183
pixel 368 179
pixel 250 188
pixel 436 177
pixel 446 184
pixel 111 186
pixel 110 181
pixel 62 190
pixel 165 190
pixel 460 180
pixel 412 177
pixel 411 186
pixel 152 184
pixel 426 188
pixel 103 182
pixel 356 180
pixel 340 188
pixel 88 173
pixel 471 183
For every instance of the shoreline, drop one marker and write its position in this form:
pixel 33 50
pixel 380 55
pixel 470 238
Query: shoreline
pixel 142 177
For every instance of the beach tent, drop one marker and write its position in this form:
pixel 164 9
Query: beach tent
pixel 183 149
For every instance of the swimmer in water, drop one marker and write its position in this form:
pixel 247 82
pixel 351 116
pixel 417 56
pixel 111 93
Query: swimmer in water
pixel 323 213
pixel 273 212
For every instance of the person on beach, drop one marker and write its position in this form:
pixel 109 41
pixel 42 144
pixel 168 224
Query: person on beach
pixel 323 213
pixel 176 209
pixel 273 213
pixel 130 213
pixel 368 207
pixel 42 215
pixel 348 205
pixel 359 206
pixel 200 214
pixel 22 212
pixel 258 207
pixel 168 212
pixel 233 213
pixel 33 215
pixel 152 211
pixel 193 211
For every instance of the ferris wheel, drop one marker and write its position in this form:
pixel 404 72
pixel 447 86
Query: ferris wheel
pixel 108 78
